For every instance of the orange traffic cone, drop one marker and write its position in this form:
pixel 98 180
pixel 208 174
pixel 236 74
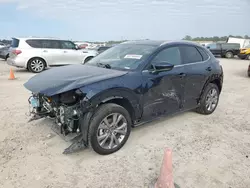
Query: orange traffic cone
pixel 165 179
pixel 12 76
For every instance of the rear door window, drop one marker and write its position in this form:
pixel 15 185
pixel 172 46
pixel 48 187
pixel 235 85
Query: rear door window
pixel 14 43
pixel 52 44
pixel 190 54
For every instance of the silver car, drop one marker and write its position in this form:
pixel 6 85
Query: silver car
pixel 35 54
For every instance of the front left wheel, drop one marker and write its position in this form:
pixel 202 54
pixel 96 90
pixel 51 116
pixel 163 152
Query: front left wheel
pixel 109 129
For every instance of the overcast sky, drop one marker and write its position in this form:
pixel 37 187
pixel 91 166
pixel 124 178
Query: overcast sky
pixel 101 20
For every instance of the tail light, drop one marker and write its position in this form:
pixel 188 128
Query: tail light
pixel 16 52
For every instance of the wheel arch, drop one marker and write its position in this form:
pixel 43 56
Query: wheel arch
pixel 87 57
pixel 121 96
pixel 38 58
pixel 215 79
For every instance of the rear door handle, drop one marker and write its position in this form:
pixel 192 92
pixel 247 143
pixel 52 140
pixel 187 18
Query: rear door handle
pixel 45 51
pixel 181 75
pixel 208 68
pixel 64 51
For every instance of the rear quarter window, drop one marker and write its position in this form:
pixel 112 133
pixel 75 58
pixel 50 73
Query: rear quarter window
pixel 204 54
pixel 14 43
pixel 34 43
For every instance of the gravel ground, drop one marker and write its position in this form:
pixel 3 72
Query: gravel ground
pixel 208 151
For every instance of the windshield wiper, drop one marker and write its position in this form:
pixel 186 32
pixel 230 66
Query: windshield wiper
pixel 104 65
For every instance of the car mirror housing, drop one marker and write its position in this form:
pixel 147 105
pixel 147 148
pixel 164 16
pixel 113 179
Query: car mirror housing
pixel 162 67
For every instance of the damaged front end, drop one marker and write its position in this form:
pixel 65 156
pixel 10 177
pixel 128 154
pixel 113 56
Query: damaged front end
pixel 65 109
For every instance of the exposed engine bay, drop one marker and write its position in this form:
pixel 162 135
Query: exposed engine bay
pixel 64 108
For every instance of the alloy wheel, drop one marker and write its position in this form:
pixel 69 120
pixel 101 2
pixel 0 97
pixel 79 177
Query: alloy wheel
pixel 211 100
pixel 112 131
pixel 37 65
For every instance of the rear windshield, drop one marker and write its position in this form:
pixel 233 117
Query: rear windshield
pixel 14 43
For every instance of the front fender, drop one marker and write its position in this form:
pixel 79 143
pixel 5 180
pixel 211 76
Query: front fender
pixel 94 97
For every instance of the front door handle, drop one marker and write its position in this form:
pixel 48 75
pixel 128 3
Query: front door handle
pixel 181 75
pixel 208 68
pixel 45 50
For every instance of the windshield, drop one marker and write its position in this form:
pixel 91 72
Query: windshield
pixel 248 46
pixel 123 56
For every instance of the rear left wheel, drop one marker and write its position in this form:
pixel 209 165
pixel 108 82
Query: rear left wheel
pixel 229 55
pixel 209 99
pixel 109 129
pixel 36 65
pixel 248 57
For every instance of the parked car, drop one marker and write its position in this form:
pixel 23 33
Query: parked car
pixel 245 53
pixel 228 50
pixel 4 52
pixel 126 86
pixel 36 54
pixel 2 45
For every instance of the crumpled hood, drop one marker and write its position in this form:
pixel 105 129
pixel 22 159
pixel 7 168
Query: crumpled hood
pixel 62 79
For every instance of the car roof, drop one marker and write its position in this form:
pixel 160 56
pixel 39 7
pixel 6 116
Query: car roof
pixel 160 42
pixel 35 38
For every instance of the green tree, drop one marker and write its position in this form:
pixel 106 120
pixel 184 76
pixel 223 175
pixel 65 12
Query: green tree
pixel 187 37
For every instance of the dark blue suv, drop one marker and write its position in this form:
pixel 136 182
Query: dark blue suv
pixel 125 86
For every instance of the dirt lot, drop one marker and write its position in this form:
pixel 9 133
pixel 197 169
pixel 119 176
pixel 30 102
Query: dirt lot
pixel 208 151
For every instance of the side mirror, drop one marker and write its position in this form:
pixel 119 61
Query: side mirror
pixel 76 47
pixel 163 66
pixel 208 47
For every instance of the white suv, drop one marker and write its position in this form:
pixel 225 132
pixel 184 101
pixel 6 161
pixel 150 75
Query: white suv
pixel 35 54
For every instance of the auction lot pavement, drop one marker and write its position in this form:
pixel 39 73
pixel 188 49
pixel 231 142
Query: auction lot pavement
pixel 208 151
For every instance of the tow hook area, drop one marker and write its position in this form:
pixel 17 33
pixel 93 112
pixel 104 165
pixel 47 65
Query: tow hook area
pixel 77 145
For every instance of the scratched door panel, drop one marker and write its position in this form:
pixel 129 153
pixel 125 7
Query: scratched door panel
pixel 195 79
pixel 163 93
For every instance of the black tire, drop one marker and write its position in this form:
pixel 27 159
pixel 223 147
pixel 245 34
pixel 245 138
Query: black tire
pixel 39 61
pixel 202 109
pixel 87 59
pixel 7 56
pixel 248 57
pixel 229 55
pixel 102 112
